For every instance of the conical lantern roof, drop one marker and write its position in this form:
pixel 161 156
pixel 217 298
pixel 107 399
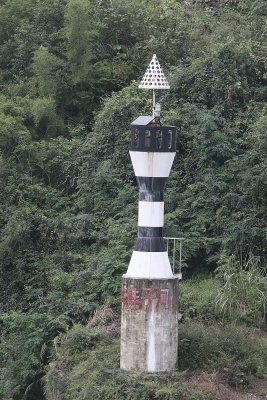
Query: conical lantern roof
pixel 154 77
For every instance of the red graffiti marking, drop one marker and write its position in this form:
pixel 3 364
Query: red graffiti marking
pixel 131 298
pixel 147 297
pixel 164 297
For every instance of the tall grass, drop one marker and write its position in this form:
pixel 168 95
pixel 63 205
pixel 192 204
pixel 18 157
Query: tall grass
pixel 233 350
pixel 197 297
pixel 243 291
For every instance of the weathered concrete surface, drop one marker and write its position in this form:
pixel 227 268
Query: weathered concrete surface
pixel 149 324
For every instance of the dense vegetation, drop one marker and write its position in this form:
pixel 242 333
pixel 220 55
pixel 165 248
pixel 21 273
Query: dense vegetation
pixel 68 76
pixel 87 365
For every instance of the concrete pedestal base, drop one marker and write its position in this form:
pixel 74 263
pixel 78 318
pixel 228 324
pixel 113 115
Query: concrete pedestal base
pixel 149 324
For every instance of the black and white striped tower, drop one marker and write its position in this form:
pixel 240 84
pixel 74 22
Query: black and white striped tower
pixel 149 329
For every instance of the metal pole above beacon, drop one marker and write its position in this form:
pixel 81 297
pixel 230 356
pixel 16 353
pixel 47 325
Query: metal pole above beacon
pixel 149 324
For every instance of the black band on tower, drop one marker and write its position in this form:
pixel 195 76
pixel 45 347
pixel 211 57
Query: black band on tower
pixel 146 195
pixel 151 184
pixel 149 232
pixel 153 244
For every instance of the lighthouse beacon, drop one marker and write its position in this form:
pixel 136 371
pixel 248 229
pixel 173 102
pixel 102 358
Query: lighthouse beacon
pixel 149 321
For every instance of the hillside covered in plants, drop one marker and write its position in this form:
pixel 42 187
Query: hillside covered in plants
pixel 69 74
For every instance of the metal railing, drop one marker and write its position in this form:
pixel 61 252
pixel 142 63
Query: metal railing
pixel 180 240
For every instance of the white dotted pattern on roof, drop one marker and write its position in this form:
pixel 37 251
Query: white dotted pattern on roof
pixel 154 77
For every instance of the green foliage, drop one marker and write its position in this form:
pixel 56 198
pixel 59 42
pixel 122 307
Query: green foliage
pixel 232 349
pixel 23 348
pixel 197 298
pixel 79 340
pixel 243 294
pixel 211 187
pixel 81 35
pixel 46 120
pixel 86 366
pixel 44 68
pixel 236 293
pixel 12 134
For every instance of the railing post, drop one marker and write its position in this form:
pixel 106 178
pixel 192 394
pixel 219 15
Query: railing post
pixel 173 254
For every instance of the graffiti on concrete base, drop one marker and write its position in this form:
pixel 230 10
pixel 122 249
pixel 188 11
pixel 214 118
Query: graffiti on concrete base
pixel 134 299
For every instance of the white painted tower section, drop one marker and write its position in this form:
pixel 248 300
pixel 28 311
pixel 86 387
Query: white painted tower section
pixel 149 265
pixel 151 213
pixel 156 165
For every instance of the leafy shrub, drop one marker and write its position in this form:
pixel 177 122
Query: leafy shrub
pixel 25 344
pixel 80 339
pixel 232 349
pixel 181 392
